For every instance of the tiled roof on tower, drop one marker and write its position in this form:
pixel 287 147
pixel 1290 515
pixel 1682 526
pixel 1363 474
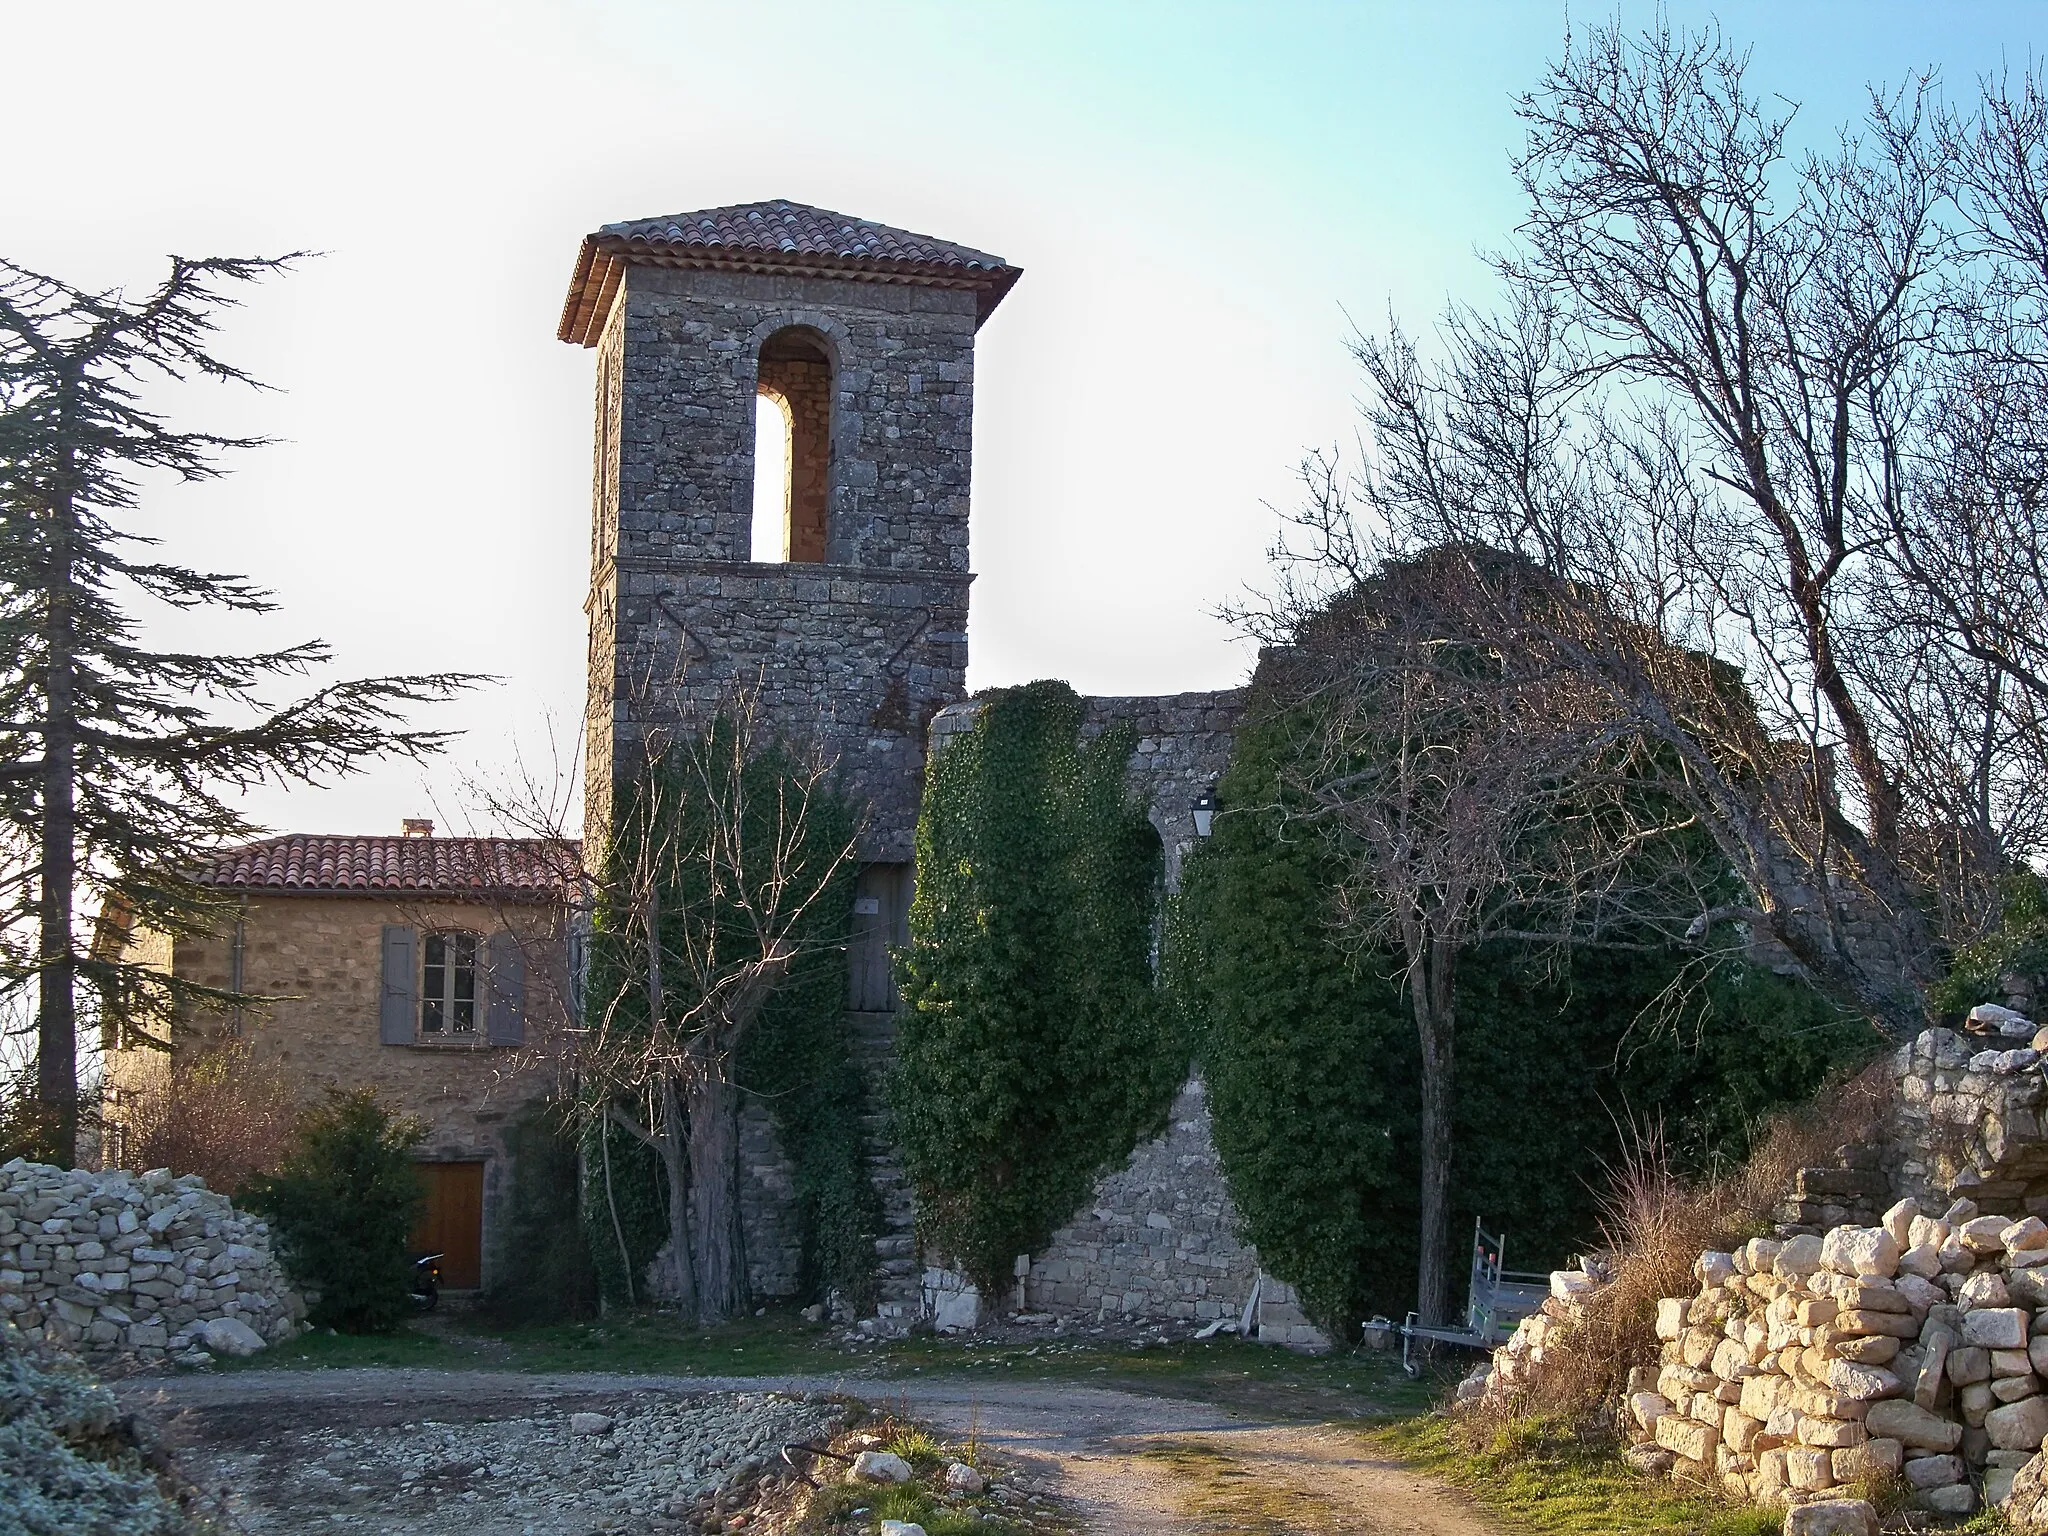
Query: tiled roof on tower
pixel 779 238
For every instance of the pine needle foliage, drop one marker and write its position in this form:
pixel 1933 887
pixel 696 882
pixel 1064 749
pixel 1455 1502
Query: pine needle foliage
pixel 1034 1053
pixel 117 767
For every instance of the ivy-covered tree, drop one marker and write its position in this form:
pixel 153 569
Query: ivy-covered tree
pixel 1033 1053
pixel 117 768
pixel 1311 1059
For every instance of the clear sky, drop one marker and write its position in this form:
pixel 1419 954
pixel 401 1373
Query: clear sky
pixel 1199 194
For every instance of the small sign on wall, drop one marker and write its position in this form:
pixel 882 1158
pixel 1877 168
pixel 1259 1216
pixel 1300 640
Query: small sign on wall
pixel 866 906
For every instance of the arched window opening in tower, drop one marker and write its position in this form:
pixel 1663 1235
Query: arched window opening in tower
pixel 793 447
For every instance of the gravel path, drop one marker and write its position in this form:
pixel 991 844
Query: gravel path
pixel 1129 1465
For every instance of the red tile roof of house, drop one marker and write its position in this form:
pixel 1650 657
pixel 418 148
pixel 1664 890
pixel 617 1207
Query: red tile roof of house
pixel 780 238
pixel 507 868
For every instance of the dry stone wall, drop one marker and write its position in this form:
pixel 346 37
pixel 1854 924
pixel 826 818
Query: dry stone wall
pixel 1913 1344
pixel 144 1265
pixel 1968 1120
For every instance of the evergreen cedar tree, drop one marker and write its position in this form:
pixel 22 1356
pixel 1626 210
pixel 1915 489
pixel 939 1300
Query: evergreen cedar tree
pixel 709 818
pixel 343 1206
pixel 1034 1052
pixel 1310 1056
pixel 115 765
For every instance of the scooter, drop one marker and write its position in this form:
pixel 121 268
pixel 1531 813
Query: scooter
pixel 426 1281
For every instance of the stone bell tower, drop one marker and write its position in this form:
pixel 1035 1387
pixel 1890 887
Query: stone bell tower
pixel 851 615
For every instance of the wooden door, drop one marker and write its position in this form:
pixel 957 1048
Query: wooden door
pixel 452 1222
pixel 881 922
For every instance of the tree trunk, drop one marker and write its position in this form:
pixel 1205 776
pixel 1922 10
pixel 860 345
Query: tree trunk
pixel 672 1276
pixel 1430 986
pixel 56 1011
pixel 717 1245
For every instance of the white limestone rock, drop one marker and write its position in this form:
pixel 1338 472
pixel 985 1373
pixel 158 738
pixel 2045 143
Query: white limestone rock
pixel 879 1467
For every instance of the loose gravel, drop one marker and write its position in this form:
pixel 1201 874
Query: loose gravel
pixel 651 1463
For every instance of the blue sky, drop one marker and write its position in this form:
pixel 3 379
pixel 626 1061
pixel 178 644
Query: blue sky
pixel 1198 194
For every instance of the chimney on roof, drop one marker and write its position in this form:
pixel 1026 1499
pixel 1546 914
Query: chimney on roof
pixel 418 826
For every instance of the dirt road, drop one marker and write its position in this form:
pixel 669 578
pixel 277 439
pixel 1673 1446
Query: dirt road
pixel 1128 1465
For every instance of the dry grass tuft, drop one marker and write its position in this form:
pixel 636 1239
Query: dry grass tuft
pixel 1655 1225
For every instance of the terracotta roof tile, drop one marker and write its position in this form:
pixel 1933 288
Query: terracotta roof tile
pixel 796 229
pixel 773 237
pixel 517 868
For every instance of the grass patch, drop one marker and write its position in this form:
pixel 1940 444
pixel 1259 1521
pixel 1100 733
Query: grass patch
pixel 863 1507
pixel 1541 1477
pixel 1224 1371
pixel 1215 1489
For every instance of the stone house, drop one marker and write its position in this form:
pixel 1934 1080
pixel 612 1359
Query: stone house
pixel 432 969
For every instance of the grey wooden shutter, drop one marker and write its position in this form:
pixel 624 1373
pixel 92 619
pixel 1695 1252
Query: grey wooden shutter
pixel 505 1013
pixel 397 1008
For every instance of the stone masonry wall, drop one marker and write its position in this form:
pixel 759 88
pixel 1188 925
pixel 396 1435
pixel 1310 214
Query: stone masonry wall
pixel 144 1265
pixel 902 412
pixel 860 659
pixel 860 650
pixel 1159 1239
pixel 1183 749
pixel 768 1209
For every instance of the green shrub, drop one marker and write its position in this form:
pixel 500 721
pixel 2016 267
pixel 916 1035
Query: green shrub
pixel 342 1208
pixel 799 1059
pixel 69 1460
pixel 1034 1053
pixel 543 1271
pixel 2019 943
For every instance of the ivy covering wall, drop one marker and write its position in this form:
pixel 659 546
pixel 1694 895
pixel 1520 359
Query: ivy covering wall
pixel 1312 1066
pixel 1034 1052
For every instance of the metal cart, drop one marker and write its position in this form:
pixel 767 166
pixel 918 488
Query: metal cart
pixel 1499 1299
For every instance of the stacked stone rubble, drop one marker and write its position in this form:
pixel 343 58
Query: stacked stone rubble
pixel 1969 1115
pixel 1517 1363
pixel 1916 1347
pixel 146 1265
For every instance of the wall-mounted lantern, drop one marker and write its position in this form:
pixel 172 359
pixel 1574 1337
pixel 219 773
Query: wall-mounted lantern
pixel 1205 811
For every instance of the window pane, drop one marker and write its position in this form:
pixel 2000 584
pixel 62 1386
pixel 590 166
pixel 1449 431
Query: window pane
pixel 430 1015
pixel 462 981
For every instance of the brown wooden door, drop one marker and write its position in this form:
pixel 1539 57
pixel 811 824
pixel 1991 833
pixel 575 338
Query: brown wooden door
pixel 452 1222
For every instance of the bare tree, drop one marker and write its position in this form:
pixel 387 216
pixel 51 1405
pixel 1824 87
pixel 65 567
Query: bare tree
pixel 1760 415
pixel 724 869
